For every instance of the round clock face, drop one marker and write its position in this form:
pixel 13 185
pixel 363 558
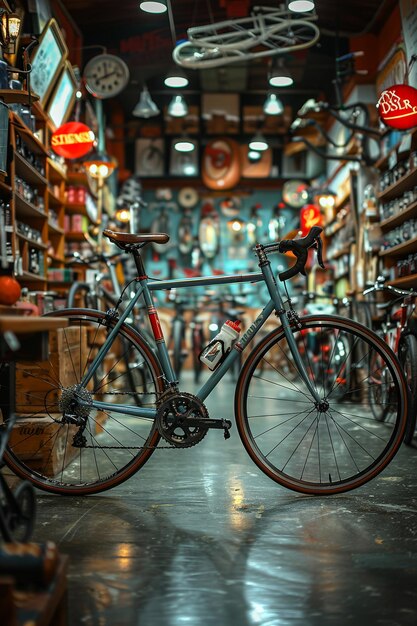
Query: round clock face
pixel 295 194
pixel 106 75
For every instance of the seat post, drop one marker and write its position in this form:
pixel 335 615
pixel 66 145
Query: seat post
pixel 139 263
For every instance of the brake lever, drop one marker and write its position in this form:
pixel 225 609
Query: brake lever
pixel 319 247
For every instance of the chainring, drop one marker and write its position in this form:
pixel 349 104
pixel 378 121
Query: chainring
pixel 171 419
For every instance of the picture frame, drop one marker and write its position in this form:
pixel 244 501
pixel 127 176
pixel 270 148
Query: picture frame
pixel 41 13
pixel 62 99
pixel 150 157
pixel 47 61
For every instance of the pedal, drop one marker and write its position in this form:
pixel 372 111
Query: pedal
pixel 220 424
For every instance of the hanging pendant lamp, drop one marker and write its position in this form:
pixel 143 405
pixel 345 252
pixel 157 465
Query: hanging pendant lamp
pixel 146 107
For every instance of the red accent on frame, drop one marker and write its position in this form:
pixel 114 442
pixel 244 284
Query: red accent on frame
pixel 156 324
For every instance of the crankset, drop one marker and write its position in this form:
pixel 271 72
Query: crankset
pixel 183 420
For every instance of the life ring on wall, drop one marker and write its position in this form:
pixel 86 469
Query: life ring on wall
pixel 221 164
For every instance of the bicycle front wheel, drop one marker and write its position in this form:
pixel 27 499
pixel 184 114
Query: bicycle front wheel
pixel 66 446
pixel 327 447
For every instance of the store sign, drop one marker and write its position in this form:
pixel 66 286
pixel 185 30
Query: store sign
pixel 397 106
pixel 72 140
pixel 310 216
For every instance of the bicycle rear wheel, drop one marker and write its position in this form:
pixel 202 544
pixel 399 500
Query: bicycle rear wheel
pixel 103 448
pixel 333 447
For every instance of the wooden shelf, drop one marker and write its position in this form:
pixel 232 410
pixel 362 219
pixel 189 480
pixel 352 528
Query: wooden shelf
pixel 23 207
pixel 397 188
pixel 54 200
pixel 405 281
pixel 339 253
pixel 399 218
pixel 55 229
pixel 56 173
pixel 27 171
pixel 56 258
pixel 74 236
pixel 336 228
pixel 17 96
pixel 28 137
pixel 29 276
pixel 401 249
pixel 35 244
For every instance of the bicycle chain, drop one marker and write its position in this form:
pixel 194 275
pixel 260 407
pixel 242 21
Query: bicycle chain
pixel 129 393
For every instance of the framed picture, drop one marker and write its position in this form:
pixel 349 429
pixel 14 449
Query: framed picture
pixel 62 100
pixel 41 13
pixel 47 61
pixel 149 157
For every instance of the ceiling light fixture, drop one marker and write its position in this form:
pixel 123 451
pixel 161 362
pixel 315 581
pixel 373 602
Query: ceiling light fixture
pixel 280 75
pixel 301 6
pixel 178 107
pixel 258 143
pixel 153 6
pixel 254 155
pixel 176 79
pixel 273 105
pixel 146 107
pixel 184 145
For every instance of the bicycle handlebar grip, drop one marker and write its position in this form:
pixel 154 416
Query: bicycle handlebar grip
pixel 300 247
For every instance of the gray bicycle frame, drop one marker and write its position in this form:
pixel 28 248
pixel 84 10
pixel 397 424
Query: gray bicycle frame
pixel 146 287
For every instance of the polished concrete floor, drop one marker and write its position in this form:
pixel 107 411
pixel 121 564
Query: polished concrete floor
pixel 202 537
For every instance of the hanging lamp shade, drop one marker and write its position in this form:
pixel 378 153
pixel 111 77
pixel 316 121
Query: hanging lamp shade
pixel 280 75
pixel 184 145
pixel 301 6
pixel 258 143
pixel 153 6
pixel 176 78
pixel 273 105
pixel 178 107
pixel 146 107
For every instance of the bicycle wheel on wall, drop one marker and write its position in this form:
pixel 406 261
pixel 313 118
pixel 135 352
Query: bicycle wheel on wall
pixel 103 448
pixel 324 449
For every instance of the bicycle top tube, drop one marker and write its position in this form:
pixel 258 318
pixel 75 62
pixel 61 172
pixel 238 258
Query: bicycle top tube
pixel 252 277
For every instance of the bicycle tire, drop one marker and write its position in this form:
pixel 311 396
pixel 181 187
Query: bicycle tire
pixel 19 525
pixel 378 392
pixel 327 451
pixel 41 446
pixel 407 354
pixel 89 300
pixel 197 345
pixel 177 338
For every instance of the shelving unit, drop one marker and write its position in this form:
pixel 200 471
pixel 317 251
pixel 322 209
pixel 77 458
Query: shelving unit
pixel 399 260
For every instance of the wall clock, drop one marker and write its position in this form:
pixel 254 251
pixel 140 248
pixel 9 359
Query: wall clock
pixel 106 75
pixel 295 194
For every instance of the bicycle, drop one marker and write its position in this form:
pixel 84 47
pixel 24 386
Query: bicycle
pixel 266 33
pixel 395 329
pixel 309 438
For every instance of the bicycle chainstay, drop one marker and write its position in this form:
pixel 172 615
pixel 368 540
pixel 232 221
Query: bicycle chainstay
pixel 132 393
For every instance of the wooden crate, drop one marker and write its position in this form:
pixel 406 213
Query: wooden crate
pixel 34 380
pixel 42 443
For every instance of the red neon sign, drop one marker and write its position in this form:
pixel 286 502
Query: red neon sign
pixel 310 216
pixel 397 106
pixel 72 140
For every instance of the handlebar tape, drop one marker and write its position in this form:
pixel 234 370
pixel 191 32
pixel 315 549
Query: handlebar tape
pixel 299 247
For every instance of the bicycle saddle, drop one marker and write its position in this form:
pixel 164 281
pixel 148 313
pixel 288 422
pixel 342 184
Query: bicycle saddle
pixel 121 239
